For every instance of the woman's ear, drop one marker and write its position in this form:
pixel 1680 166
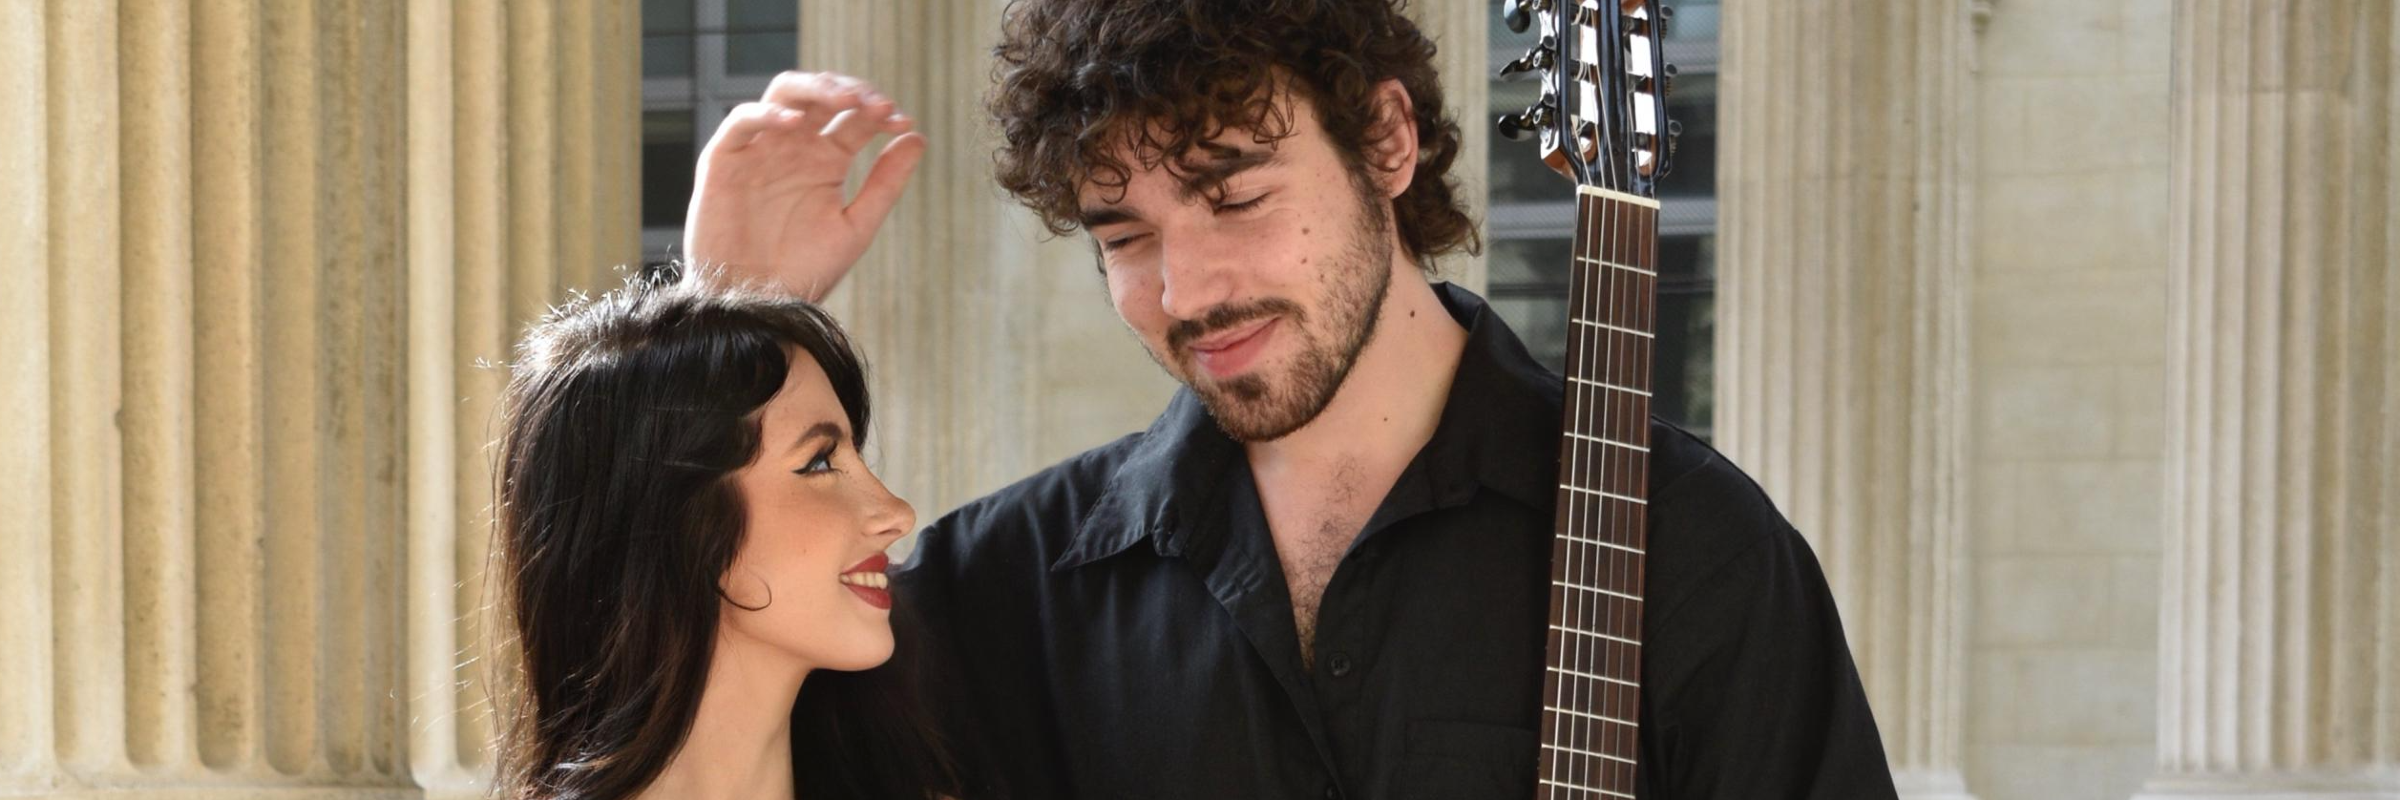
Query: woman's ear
pixel 745 588
pixel 1391 146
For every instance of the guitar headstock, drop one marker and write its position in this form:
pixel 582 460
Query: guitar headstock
pixel 1602 116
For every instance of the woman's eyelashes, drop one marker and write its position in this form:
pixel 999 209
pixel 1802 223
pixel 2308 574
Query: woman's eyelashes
pixel 821 463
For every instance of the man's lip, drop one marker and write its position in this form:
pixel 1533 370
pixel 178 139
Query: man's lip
pixel 1233 337
pixel 875 563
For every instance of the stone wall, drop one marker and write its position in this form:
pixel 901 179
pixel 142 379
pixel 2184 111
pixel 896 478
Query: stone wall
pixel 265 256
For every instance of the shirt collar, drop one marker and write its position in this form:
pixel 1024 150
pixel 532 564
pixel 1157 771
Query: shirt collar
pixel 1499 429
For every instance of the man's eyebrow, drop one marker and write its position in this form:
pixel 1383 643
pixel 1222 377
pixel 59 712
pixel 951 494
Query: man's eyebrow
pixel 1196 179
pixel 1209 174
pixel 1104 215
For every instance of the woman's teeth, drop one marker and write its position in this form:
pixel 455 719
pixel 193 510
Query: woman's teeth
pixel 870 580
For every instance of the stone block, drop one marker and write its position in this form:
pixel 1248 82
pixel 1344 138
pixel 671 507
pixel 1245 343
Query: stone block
pixel 2042 600
pixel 2087 222
pixel 2057 772
pixel 2090 507
pixel 2095 317
pixel 2087 698
pixel 2045 412
pixel 2052 38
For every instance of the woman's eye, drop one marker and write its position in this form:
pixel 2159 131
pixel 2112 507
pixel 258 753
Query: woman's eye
pixel 822 463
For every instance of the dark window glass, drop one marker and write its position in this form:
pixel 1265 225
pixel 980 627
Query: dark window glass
pixel 668 155
pixel 1530 225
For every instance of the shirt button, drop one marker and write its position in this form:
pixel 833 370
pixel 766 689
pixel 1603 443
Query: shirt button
pixel 1339 665
pixel 1332 792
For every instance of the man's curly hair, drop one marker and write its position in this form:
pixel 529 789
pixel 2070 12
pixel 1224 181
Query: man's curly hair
pixel 1079 82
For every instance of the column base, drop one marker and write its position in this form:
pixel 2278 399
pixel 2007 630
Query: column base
pixel 2376 785
pixel 1931 784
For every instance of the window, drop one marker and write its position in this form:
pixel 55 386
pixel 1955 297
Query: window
pixel 700 58
pixel 1530 227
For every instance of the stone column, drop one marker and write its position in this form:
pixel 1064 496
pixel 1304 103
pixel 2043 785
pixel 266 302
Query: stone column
pixel 1840 320
pixel 522 185
pixel 1458 28
pixel 221 209
pixel 2280 627
pixel 942 305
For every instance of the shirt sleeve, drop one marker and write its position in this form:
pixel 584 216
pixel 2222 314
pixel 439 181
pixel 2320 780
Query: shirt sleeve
pixel 1754 692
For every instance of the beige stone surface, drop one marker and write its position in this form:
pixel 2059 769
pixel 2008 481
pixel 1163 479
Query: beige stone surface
pixel 247 246
pixel 2282 552
pixel 2069 345
pixel 1841 329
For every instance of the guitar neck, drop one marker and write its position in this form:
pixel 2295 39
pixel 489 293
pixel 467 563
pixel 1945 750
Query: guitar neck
pixel 1591 709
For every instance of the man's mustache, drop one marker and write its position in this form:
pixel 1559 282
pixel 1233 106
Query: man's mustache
pixel 1218 318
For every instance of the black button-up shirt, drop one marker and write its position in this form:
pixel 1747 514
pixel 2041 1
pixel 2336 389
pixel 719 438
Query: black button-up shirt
pixel 1118 626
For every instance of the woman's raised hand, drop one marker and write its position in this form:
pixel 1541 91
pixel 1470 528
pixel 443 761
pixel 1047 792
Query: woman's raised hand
pixel 768 202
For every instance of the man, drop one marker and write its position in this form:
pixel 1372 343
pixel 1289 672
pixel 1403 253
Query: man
pixel 1323 571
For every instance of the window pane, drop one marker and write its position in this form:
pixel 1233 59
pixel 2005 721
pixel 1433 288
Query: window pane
pixel 751 15
pixel 668 156
pixel 666 56
pixel 660 17
pixel 763 53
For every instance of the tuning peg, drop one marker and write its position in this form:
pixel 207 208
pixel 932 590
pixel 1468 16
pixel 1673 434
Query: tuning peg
pixel 1521 126
pixel 1517 14
pixel 1674 135
pixel 1513 128
pixel 1666 16
pixel 1538 58
pixel 1666 85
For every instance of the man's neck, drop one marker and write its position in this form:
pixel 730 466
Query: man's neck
pixel 1388 406
pixel 740 746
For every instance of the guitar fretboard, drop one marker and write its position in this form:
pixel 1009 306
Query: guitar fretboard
pixel 1591 707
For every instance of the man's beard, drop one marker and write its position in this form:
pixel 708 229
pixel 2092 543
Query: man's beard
pixel 1263 405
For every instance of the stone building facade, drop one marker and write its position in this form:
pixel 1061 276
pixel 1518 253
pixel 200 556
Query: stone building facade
pixel 2064 328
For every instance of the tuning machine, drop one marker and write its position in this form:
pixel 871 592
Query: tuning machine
pixel 1521 126
pixel 1518 14
pixel 1645 25
pixel 1541 57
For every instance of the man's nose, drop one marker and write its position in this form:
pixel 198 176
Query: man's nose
pixel 1194 276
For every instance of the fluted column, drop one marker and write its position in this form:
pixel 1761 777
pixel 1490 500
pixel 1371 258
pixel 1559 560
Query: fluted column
pixel 2280 627
pixel 943 303
pixel 522 185
pixel 231 220
pixel 1840 328
pixel 1458 29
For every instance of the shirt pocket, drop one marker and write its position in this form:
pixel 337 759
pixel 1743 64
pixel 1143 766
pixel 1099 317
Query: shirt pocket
pixel 1453 760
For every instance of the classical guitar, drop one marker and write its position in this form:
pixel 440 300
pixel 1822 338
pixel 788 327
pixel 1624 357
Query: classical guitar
pixel 1602 123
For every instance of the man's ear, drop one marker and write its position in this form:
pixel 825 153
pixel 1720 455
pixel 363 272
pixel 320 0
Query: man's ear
pixel 1391 146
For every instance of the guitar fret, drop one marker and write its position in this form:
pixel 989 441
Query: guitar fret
pixel 1607 441
pixel 1617 328
pixel 1580 587
pixel 1625 267
pixel 1600 678
pixel 1583 788
pixel 1613 281
pixel 1605 385
pixel 1609 495
pixel 1590 715
pixel 1601 542
pixel 1597 635
pixel 1586 753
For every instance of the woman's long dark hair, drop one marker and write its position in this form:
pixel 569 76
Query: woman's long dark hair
pixel 626 418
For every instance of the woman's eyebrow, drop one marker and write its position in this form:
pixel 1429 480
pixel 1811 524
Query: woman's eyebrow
pixel 826 429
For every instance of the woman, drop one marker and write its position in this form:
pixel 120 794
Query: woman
pixel 688 537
